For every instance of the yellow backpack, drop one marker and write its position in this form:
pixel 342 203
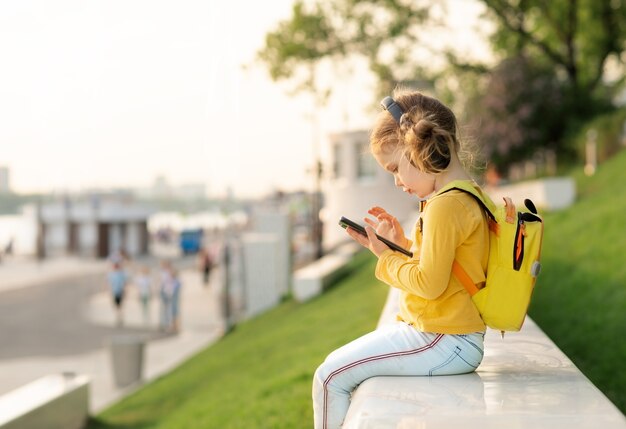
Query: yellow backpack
pixel 514 253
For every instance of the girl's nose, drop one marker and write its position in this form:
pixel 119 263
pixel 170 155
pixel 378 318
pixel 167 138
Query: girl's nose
pixel 397 181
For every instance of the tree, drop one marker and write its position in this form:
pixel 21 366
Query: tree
pixel 575 36
pixel 565 44
pixel 385 32
pixel 519 112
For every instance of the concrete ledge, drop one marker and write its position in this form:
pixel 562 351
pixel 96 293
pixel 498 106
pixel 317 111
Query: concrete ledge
pixel 524 381
pixel 552 193
pixel 58 401
pixel 311 280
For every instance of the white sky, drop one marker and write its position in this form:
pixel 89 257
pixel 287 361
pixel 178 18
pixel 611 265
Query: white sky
pixel 101 93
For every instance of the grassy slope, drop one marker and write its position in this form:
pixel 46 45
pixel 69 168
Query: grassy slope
pixel 259 375
pixel 580 299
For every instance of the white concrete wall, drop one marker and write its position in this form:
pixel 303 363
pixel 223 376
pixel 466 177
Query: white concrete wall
pixel 278 224
pixel 554 193
pixel 260 259
pixel 524 381
pixel 87 238
pixel 57 401
pixel 56 238
pixel 311 280
pixel 133 239
pixel 115 238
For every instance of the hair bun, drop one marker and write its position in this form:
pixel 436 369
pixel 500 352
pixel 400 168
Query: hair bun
pixel 424 129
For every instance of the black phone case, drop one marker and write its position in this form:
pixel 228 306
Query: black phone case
pixel 344 222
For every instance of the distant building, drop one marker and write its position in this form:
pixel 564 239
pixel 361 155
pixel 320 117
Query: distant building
pixel 355 184
pixel 94 228
pixel 162 189
pixel 190 191
pixel 5 186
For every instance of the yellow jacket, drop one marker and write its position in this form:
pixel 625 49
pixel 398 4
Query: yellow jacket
pixel 432 299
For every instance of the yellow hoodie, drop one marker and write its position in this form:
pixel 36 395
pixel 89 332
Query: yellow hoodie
pixel 432 299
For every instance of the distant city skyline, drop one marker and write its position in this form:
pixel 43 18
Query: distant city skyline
pixel 112 94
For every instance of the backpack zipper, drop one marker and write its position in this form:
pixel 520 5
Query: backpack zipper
pixel 518 246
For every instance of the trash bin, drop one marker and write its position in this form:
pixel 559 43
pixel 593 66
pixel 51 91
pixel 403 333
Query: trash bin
pixel 126 359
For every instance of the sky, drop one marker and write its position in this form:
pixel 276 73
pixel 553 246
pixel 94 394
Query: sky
pixel 112 93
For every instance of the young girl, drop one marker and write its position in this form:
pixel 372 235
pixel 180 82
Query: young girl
pixel 438 330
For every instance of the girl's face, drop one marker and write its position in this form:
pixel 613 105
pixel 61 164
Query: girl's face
pixel 406 176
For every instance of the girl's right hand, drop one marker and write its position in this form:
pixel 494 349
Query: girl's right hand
pixel 387 226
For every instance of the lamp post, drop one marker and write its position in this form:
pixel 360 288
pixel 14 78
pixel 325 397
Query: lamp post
pixel 316 171
pixel 591 151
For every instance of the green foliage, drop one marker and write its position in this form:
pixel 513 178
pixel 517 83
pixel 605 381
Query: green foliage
pixel 565 45
pixel 260 375
pixel 560 49
pixel 580 297
pixel 383 32
pixel 307 37
pixel 575 36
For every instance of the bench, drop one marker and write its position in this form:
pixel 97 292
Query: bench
pixel 57 401
pixel 524 381
pixel 311 280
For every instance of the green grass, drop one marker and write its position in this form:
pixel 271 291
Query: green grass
pixel 580 298
pixel 259 375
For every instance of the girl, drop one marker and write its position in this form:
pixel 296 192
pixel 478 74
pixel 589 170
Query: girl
pixel 438 330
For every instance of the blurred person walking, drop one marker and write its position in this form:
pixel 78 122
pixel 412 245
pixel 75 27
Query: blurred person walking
pixel 175 304
pixel 166 293
pixel 144 286
pixel 117 284
pixel 205 261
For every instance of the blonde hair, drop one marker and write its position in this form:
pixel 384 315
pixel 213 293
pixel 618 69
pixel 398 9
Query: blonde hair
pixel 427 133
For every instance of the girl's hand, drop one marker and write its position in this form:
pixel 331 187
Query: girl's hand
pixel 387 226
pixel 372 242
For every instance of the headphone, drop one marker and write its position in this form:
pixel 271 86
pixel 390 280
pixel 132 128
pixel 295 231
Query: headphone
pixel 390 105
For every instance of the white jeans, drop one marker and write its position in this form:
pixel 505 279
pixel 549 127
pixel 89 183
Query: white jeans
pixel 394 349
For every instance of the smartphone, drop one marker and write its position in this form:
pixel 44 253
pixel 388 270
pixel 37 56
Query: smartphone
pixel 344 222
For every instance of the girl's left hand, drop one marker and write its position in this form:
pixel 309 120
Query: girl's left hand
pixel 372 242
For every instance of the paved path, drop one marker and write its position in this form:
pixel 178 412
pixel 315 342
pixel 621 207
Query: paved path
pixel 63 321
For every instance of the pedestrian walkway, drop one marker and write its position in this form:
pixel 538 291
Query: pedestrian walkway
pixel 200 325
pixel 19 272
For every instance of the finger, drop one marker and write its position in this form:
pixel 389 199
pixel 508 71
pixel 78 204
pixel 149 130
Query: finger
pixel 370 222
pixel 397 225
pixel 371 234
pixel 358 237
pixel 375 211
pixel 392 219
pixel 386 217
pixel 375 245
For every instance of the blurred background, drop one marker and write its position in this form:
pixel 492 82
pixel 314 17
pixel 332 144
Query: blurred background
pixel 216 144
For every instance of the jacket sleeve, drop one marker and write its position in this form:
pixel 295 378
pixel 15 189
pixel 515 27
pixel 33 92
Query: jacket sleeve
pixel 428 275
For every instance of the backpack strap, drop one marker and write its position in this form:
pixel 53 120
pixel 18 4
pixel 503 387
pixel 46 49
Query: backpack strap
pixel 464 278
pixel 478 199
pixel 457 269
